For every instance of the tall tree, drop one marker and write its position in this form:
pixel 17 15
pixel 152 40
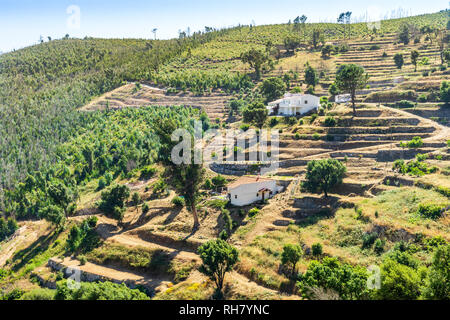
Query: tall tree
pixel 256 59
pixel 404 34
pixel 186 178
pixel 399 61
pixel 345 19
pixel 316 38
pixel 349 78
pixel 311 76
pixel 414 57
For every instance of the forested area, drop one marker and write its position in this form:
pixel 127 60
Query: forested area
pixel 41 87
pixel 105 145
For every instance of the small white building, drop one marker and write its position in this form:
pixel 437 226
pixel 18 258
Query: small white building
pixel 247 190
pixel 294 104
pixel 343 98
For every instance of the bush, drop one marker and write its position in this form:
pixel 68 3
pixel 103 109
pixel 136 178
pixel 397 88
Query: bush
pixel 39 294
pixel 415 142
pixel 379 246
pixel 136 199
pixel 330 121
pixel 83 238
pixel 404 104
pixel 369 239
pixel 253 212
pixel 398 282
pixel 178 201
pixel 98 291
pixel 7 227
pixel 310 90
pixel 244 127
pixel 398 59
pixel 445 92
pixel 317 249
pixel 114 198
pixel 219 181
pixel 148 172
pixel 101 184
pixel 349 282
pixel 430 210
pixel 145 208
pixel 422 98
pixel 438 278
pixel 273 121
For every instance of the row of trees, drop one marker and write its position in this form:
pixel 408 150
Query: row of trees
pixel 43 85
pixel 401 277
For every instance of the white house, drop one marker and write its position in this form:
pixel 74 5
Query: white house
pixel 343 98
pixel 247 190
pixel 294 104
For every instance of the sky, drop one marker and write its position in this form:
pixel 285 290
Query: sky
pixel 23 22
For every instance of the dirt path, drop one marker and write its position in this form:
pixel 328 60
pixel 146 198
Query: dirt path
pixel 23 237
pixel 272 213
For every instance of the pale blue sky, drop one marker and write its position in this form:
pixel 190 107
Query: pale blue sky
pixel 22 22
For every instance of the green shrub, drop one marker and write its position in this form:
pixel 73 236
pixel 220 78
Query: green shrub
pixel 244 127
pixel 178 201
pixel 253 212
pixel 404 104
pixel 145 208
pixel 415 142
pixel 430 210
pixel 273 121
pixel 98 291
pixel 316 136
pixel 422 98
pixel 369 239
pixel 39 294
pixel 379 246
pixel 330 121
pixel 219 181
pixel 317 249
pixel 148 172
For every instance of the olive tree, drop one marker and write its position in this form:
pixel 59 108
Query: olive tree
pixel 322 175
pixel 291 255
pixel 218 258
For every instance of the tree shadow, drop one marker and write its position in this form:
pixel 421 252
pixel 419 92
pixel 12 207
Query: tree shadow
pixel 27 254
pixel 173 214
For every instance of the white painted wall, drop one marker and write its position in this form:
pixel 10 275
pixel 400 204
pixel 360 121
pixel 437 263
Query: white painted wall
pixel 247 193
pixel 290 105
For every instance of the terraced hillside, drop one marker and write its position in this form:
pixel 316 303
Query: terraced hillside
pixel 147 241
pixel 215 105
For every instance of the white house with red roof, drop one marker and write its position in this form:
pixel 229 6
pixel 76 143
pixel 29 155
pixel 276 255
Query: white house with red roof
pixel 247 190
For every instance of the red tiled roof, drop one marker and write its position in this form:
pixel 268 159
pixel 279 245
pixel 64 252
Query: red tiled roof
pixel 247 180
